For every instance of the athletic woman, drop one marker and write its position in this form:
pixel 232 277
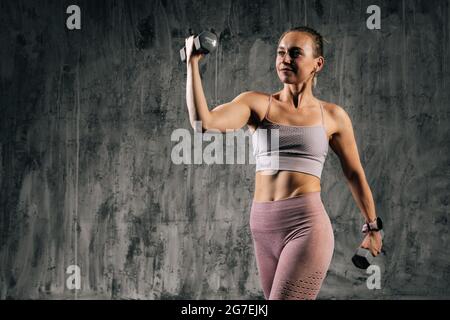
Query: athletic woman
pixel 291 230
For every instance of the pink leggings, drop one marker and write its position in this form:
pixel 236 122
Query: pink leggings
pixel 294 242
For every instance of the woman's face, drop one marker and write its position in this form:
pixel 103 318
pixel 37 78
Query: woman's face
pixel 296 53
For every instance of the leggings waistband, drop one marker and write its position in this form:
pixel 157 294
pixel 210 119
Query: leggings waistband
pixel 296 201
pixel 287 213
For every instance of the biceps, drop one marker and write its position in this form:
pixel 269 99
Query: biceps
pixel 232 115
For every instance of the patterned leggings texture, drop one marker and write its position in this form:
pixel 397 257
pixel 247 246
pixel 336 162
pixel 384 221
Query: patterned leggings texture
pixel 294 243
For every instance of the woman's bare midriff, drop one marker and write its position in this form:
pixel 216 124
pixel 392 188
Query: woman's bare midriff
pixel 283 184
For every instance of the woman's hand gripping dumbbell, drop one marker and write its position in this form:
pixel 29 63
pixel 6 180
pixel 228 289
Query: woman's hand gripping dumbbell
pixel 371 245
pixel 197 46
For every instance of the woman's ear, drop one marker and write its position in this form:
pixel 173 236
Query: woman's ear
pixel 319 64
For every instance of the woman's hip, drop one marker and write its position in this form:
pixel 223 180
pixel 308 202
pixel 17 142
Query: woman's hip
pixel 304 212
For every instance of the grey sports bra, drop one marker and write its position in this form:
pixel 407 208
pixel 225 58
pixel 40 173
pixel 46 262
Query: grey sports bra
pixel 293 148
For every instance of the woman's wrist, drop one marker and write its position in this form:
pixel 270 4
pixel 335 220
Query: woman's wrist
pixel 369 220
pixel 375 225
pixel 194 59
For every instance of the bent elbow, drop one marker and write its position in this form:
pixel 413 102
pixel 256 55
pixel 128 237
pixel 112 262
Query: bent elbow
pixel 354 174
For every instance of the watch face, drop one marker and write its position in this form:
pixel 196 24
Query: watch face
pixel 379 223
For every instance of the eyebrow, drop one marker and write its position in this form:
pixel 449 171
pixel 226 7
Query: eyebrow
pixel 281 47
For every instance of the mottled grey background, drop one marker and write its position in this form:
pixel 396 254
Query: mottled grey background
pixel 86 118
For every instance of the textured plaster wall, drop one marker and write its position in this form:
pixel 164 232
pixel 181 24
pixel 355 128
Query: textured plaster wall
pixel 86 117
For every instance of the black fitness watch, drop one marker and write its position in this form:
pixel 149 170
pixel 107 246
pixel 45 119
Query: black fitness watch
pixel 376 225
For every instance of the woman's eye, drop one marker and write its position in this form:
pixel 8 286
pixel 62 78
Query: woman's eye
pixel 292 54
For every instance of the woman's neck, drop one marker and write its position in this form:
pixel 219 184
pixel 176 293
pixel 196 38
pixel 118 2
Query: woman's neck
pixel 296 96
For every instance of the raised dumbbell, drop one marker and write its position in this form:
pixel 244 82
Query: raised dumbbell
pixel 205 43
pixel 363 258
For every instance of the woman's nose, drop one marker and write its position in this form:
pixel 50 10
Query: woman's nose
pixel 287 59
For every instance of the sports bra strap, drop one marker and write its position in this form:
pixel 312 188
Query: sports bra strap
pixel 268 107
pixel 321 110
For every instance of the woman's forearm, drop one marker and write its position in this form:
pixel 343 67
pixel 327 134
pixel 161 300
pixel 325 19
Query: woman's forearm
pixel 195 97
pixel 363 196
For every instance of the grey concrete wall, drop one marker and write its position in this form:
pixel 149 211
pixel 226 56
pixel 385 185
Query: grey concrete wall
pixel 86 176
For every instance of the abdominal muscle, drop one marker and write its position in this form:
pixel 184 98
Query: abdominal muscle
pixel 283 184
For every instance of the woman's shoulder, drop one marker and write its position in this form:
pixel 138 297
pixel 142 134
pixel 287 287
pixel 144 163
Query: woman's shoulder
pixel 256 95
pixel 334 114
pixel 257 100
pixel 333 109
pixel 330 106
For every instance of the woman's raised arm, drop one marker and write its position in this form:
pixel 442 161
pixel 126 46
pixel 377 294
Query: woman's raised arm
pixel 232 115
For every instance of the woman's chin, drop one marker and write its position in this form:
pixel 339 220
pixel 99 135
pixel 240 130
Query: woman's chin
pixel 287 79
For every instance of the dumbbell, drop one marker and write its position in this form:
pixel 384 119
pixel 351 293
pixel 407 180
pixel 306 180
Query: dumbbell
pixel 205 43
pixel 363 258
